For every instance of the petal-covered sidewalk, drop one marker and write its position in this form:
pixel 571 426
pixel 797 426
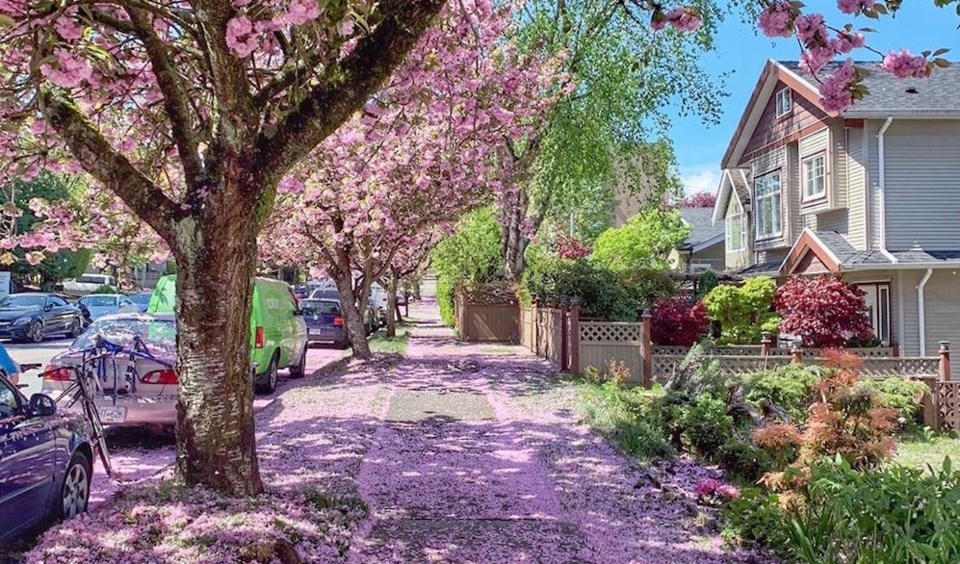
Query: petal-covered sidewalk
pixel 479 457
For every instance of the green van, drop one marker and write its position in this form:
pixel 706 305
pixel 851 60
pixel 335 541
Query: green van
pixel 278 334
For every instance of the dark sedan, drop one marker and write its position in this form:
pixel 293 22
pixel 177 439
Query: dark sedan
pixel 46 462
pixel 324 322
pixel 34 316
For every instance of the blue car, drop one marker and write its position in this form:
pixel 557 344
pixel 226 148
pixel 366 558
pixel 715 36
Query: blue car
pixel 324 322
pixel 46 462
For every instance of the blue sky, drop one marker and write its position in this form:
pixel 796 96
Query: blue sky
pixel 739 49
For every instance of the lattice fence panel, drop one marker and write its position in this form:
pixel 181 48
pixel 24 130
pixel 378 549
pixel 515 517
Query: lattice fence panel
pixel 899 366
pixel 665 365
pixel 947 395
pixel 594 332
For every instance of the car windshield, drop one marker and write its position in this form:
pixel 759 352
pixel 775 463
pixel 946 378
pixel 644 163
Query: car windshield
pixel 317 307
pixel 99 301
pixel 140 299
pixel 321 294
pixel 159 335
pixel 22 301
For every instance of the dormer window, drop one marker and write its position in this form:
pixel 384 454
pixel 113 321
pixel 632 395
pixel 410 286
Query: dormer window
pixel 784 102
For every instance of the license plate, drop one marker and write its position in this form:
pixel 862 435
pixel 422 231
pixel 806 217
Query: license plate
pixel 316 331
pixel 112 414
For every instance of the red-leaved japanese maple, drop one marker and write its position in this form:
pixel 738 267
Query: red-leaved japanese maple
pixel 678 322
pixel 825 311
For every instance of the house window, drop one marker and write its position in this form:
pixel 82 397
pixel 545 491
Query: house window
pixel 814 177
pixel 784 102
pixel 877 299
pixel 767 198
pixel 736 227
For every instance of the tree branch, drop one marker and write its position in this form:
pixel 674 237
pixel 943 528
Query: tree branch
pixel 109 166
pixel 328 105
pixel 175 98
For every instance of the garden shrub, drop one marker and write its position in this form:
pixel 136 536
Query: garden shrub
pixel 897 514
pixel 705 426
pixel 743 312
pixel 678 322
pixel 707 281
pixel 825 311
pixel 905 396
pixel 788 387
pixel 627 417
pixel 552 279
pixel 647 286
pixel 744 461
pixel 643 242
pixel 756 517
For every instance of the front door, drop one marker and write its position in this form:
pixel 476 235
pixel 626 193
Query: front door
pixel 877 299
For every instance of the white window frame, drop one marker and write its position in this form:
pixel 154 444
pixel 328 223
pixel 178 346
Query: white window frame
pixel 784 101
pixel 776 196
pixel 735 222
pixel 805 178
pixel 879 310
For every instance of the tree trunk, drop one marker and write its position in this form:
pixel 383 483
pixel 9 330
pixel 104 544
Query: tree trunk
pixel 353 316
pixel 216 259
pixel 392 306
pixel 514 244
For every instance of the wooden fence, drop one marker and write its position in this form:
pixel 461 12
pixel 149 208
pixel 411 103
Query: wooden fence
pixel 487 323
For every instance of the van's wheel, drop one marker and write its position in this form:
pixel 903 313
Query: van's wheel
pixel 75 490
pixel 297 371
pixel 270 380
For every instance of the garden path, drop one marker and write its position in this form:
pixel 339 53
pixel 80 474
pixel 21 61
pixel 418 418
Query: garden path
pixel 479 457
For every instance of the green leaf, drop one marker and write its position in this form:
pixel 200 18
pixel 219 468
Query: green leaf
pixel 6 21
pixel 942 63
pixel 940 51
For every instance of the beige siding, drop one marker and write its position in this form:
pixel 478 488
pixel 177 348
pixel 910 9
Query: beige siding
pixel 923 184
pixel 772 255
pixel 833 220
pixel 871 128
pixel 942 311
pixel 856 204
pixel 794 225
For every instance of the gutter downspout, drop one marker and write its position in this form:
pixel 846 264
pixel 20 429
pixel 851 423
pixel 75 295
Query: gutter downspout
pixel 881 181
pixel 920 314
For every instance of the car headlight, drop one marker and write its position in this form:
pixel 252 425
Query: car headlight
pixel 22 321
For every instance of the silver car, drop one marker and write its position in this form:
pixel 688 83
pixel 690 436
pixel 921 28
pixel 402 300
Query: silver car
pixel 136 385
pixel 98 305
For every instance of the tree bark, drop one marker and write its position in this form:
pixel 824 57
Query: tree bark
pixel 352 316
pixel 216 260
pixel 392 309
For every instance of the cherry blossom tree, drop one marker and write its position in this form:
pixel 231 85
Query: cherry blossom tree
pixel 191 112
pixel 425 149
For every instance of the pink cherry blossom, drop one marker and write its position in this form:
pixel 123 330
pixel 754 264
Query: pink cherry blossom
pixel 855 6
pixel 811 29
pixel 815 58
pixel 835 91
pixel 778 19
pixel 903 64
pixel 845 42
pixel 240 37
pixel 68 71
pixel 684 19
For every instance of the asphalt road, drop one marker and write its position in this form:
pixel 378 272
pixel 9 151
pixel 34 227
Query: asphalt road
pixel 29 353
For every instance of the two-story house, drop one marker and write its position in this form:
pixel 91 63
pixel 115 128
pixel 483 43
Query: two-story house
pixel 872 194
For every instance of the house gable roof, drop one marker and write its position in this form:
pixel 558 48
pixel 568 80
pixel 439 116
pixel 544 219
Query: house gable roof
pixel 773 74
pixel 732 182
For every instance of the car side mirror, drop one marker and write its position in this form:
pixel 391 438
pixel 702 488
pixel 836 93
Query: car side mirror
pixel 47 307
pixel 42 404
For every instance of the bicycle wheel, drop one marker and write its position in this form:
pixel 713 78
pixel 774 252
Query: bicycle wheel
pixel 99 437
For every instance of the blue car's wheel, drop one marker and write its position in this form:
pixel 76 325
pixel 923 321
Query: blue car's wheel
pixel 35 333
pixel 75 491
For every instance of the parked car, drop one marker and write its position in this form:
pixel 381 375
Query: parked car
pixel 278 334
pixel 34 316
pixel 142 299
pixel 371 319
pixel 324 322
pixel 46 463
pixel 148 398
pixel 88 284
pixel 99 305
pixel 378 299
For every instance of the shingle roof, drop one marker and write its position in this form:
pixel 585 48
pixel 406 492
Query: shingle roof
pixel 762 269
pixel 890 95
pixel 701 224
pixel 837 245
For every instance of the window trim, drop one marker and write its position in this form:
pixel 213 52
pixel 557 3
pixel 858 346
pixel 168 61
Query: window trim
pixel 804 197
pixel 884 297
pixel 756 206
pixel 787 95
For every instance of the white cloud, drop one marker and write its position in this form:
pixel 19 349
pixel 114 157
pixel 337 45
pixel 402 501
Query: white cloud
pixel 702 180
